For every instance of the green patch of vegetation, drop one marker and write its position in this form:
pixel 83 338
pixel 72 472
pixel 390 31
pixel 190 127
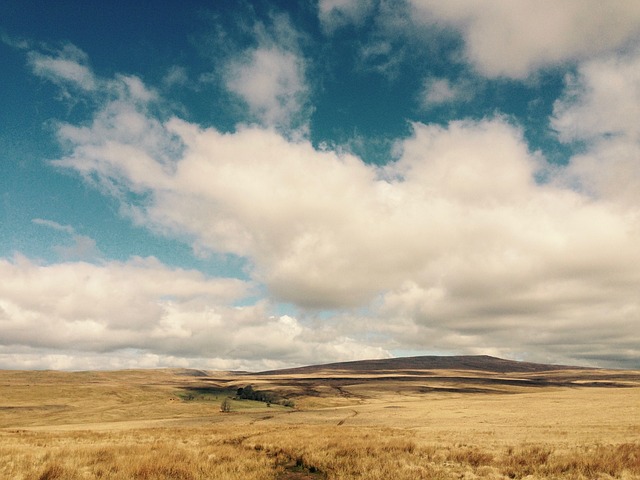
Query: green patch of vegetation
pixel 206 394
pixel 240 405
pixel 230 400
pixel 249 393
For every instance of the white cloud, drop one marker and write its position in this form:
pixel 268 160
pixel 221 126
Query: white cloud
pixel 437 91
pixel 601 107
pixel 256 195
pixel 515 260
pixel 111 294
pixel 454 246
pixel 67 68
pixel 54 225
pixel 515 38
pixel 512 39
pixel 602 99
pixel 175 76
pixel 455 242
pixel 77 315
pixel 132 88
pixel 271 82
pixel 140 147
pixel 270 77
pixel 82 247
pixel 474 163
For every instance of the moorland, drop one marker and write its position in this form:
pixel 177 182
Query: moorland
pixel 407 418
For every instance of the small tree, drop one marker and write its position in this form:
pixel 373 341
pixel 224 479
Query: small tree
pixel 225 406
pixel 248 393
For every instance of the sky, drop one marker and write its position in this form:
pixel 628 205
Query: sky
pixel 253 185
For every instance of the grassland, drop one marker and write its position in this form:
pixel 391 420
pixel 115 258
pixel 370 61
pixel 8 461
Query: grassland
pixel 466 419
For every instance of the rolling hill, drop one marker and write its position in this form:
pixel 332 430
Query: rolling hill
pixel 483 363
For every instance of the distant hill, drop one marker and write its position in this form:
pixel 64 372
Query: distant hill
pixel 483 363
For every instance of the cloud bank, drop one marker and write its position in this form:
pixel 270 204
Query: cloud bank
pixel 454 245
pixel 456 238
pixel 98 315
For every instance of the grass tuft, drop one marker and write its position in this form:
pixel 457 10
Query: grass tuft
pixel 53 472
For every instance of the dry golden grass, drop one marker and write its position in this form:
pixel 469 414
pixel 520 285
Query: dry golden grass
pixel 225 452
pixel 134 454
pixel 138 425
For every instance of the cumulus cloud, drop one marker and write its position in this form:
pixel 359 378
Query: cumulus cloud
pixel 271 82
pixel 601 100
pixel 601 108
pixel 123 295
pixel 516 263
pixel 455 239
pixel 515 38
pixel 257 194
pixel 270 78
pixel 453 247
pixel 142 313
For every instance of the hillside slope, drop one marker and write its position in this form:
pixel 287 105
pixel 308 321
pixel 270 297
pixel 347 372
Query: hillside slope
pixel 483 363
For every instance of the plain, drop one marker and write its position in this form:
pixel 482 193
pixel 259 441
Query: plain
pixel 426 417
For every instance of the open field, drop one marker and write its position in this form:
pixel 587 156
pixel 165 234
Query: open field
pixel 460 417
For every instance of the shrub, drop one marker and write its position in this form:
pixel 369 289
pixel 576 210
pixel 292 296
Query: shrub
pixel 225 406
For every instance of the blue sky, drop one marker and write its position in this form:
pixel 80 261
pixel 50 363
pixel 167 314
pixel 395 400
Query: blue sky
pixel 253 185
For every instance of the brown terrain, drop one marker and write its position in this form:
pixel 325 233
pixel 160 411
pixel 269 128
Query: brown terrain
pixel 418 417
